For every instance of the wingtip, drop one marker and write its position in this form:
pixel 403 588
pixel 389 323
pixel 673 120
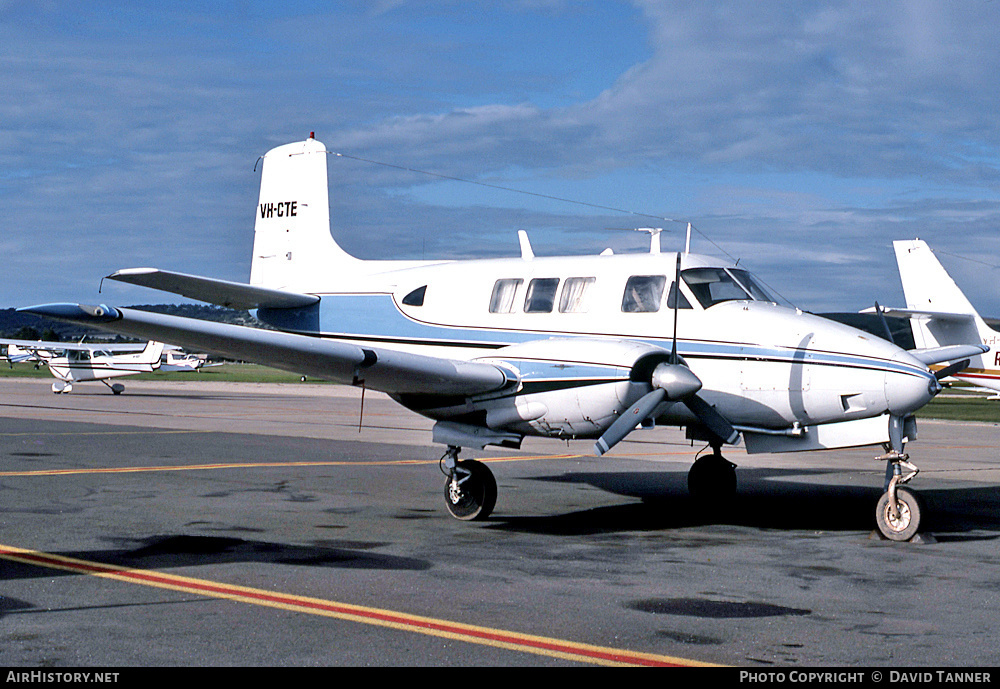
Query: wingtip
pixel 79 313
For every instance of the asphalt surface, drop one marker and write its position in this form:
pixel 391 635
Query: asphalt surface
pixel 275 525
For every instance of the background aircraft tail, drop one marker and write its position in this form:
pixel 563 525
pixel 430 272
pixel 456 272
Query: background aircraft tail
pixel 293 249
pixel 947 317
pixel 151 354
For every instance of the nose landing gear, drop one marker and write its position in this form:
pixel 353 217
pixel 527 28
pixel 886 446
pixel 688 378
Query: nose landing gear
pixel 898 512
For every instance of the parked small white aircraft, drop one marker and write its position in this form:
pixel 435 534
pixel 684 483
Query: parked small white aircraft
pixel 174 361
pixel 79 363
pixel 564 347
pixel 940 314
pixel 20 351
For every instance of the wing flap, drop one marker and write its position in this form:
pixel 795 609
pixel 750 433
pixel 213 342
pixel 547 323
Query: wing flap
pixel 381 369
pixel 234 295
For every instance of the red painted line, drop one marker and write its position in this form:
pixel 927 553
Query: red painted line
pixel 413 623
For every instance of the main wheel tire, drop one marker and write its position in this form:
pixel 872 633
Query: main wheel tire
pixel 905 526
pixel 475 497
pixel 712 476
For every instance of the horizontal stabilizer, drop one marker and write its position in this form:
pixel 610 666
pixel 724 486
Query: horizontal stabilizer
pixel 233 295
pixel 893 312
pixel 937 355
pixel 380 369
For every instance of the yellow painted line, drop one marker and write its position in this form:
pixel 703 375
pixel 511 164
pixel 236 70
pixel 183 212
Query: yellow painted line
pixel 457 631
pixel 326 463
pixel 46 434
pixel 253 465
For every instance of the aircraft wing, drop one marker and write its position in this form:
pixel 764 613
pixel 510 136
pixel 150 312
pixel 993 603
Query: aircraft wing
pixel 380 369
pixel 43 346
pixel 893 312
pixel 937 355
pixel 34 345
pixel 234 295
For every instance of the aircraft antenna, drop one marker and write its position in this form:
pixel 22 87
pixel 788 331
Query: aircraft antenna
pixel 677 307
pixel 535 194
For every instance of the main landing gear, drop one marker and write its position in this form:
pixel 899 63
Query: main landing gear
pixel 116 388
pixel 712 477
pixel 470 490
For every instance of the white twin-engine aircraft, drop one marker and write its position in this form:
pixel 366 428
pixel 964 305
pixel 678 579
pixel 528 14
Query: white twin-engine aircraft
pixel 73 363
pixel 568 347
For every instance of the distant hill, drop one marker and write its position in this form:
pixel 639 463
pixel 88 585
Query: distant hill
pixel 29 327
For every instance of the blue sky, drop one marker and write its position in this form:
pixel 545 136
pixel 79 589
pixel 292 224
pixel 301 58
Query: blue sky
pixel 801 138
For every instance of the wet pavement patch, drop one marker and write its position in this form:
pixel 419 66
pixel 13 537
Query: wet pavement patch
pixel 717 609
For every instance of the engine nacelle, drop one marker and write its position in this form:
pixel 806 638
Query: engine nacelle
pixel 569 388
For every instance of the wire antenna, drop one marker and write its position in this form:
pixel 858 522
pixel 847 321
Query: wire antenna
pixel 541 196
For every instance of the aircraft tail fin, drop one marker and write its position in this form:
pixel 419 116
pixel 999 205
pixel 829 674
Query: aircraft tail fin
pixel 946 316
pixel 293 248
pixel 151 354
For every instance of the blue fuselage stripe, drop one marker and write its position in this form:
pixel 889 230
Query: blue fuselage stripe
pixel 376 318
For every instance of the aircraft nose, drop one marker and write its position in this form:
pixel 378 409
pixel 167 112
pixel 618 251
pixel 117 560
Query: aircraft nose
pixel 909 386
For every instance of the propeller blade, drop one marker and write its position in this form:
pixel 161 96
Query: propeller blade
pixel 885 324
pixel 953 369
pixel 713 420
pixel 632 417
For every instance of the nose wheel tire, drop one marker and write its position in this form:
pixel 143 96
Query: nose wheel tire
pixel 901 523
pixel 470 493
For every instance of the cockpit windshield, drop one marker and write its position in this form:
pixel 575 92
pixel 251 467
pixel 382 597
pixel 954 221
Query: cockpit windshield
pixel 714 285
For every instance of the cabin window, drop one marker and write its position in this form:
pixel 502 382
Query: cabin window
pixel 573 298
pixel 416 297
pixel 541 296
pixel 643 293
pixel 713 285
pixel 504 292
pixel 672 296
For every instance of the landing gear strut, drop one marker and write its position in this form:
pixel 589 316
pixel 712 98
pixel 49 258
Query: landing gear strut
pixel 898 512
pixel 470 491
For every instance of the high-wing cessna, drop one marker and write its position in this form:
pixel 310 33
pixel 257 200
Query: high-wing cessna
pixel 79 363
pixel 20 351
pixel 940 314
pixel 565 347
